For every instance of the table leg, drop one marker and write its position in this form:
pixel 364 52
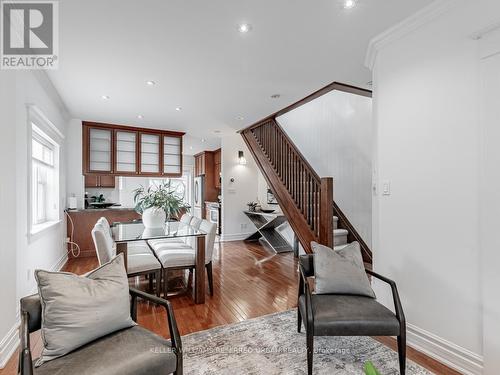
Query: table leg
pixel 199 281
pixel 121 247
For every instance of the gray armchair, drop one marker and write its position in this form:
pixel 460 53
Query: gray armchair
pixel 131 351
pixel 347 315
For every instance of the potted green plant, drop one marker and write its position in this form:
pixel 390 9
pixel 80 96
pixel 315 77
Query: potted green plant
pixel 157 204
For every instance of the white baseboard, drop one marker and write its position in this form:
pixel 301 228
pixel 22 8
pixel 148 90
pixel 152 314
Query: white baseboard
pixel 10 342
pixel 60 263
pixel 234 237
pixel 446 352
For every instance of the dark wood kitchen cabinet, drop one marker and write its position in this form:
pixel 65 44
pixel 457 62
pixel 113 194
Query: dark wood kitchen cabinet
pixel 117 150
pixel 217 168
pixel 99 181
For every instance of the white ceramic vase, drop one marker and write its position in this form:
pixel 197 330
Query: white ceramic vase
pixel 154 217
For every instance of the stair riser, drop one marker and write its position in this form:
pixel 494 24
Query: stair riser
pixel 339 240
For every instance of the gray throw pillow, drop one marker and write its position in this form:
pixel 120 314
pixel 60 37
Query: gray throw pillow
pixel 79 309
pixel 340 271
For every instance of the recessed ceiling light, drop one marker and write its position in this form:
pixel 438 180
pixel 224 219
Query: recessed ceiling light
pixel 244 28
pixel 241 118
pixel 178 108
pixel 203 139
pixel 216 131
pixel 348 4
pixel 150 83
pixel 105 97
pixel 140 116
pixel 275 96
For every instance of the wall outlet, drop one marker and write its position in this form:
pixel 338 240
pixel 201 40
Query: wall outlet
pixel 243 226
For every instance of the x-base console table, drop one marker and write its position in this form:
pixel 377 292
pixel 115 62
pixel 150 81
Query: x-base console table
pixel 266 228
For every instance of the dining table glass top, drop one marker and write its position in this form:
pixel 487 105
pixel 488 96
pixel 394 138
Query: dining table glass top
pixel 136 231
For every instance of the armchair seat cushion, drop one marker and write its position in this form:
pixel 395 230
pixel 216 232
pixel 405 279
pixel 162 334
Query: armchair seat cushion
pixel 131 351
pixel 349 315
pixel 141 263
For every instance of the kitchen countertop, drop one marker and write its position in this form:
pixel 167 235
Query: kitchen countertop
pixel 118 208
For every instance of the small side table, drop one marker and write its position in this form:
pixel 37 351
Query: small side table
pixel 266 228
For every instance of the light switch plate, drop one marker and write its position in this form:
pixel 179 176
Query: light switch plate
pixel 386 188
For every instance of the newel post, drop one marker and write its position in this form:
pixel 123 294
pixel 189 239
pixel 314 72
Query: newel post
pixel 326 212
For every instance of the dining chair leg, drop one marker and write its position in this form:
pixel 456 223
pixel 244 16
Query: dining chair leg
pixel 158 282
pixel 165 283
pixel 210 278
pixel 150 279
pixel 190 278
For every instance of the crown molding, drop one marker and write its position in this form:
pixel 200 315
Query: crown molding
pixel 406 26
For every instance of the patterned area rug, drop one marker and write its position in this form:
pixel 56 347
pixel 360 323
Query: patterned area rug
pixel 271 345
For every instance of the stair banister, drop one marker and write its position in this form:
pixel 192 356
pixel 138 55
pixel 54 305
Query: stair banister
pixel 305 198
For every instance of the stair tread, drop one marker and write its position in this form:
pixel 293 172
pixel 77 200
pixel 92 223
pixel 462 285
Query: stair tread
pixel 340 247
pixel 340 232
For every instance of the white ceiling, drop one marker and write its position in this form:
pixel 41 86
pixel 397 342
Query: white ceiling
pixel 200 62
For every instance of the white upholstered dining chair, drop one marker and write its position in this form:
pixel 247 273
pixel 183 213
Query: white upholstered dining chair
pixel 140 259
pixel 174 256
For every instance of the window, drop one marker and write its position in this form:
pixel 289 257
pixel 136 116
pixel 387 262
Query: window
pixel 181 185
pixel 44 180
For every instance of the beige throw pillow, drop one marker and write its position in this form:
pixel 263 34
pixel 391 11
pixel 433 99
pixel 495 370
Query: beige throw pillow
pixel 340 271
pixel 79 309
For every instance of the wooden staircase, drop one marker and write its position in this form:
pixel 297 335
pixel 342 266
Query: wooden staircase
pixel 305 198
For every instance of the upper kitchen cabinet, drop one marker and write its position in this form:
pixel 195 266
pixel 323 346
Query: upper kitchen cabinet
pixel 150 154
pixel 98 152
pixel 126 150
pixel 172 155
pixel 217 168
pixel 129 151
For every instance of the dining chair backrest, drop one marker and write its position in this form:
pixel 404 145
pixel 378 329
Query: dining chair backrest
pixel 210 229
pixel 195 223
pixel 105 223
pixel 104 244
pixel 186 219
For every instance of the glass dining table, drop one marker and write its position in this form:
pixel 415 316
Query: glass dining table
pixel 125 232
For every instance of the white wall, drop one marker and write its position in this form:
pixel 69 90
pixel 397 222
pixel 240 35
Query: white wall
pixel 235 195
pixel 334 133
pixel 22 254
pixel 8 294
pixel 427 144
pixel 47 249
pixel 75 185
pixel 489 198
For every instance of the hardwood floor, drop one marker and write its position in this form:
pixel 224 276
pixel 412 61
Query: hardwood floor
pixel 249 281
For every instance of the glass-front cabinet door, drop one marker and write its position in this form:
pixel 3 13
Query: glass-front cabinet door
pixel 126 152
pixel 100 150
pixel 150 154
pixel 172 155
